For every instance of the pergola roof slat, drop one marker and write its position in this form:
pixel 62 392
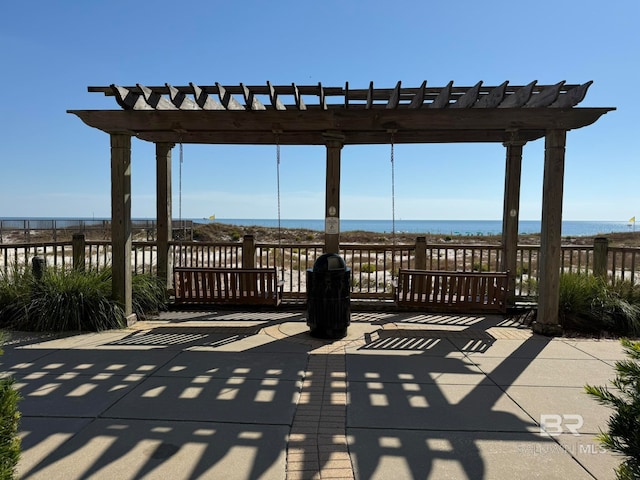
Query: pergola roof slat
pixel 298 98
pixel 322 96
pixel 129 100
pixel 370 95
pixel 442 100
pixel 493 98
pixel 204 100
pixel 394 99
pixel 250 99
pixel 346 94
pixel 467 99
pixel 227 99
pixel 273 95
pixel 546 97
pixel 518 98
pixel 418 97
pixel 573 96
pixel 155 100
pixel 180 99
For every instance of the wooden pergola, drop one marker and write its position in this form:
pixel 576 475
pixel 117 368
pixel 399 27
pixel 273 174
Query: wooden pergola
pixel 334 117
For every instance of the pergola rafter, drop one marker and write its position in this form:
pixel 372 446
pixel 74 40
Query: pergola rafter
pixel 337 116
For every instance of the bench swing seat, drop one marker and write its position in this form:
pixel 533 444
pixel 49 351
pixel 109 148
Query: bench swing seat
pixel 442 291
pixel 230 286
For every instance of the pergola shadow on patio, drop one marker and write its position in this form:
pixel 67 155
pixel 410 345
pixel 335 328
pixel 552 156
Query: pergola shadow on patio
pixel 339 116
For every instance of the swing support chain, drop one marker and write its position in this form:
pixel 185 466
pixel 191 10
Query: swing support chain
pixel 394 279
pixel 277 140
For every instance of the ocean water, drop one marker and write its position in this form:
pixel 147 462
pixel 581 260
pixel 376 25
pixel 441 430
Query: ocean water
pixel 442 227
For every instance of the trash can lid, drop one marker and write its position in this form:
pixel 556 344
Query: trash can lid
pixel 329 261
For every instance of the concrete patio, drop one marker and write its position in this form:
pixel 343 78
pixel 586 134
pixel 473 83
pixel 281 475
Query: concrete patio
pixel 238 394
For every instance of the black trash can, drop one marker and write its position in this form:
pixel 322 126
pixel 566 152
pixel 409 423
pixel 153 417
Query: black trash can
pixel 329 297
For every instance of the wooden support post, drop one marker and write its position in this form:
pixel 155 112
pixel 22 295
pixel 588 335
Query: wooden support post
pixel 249 252
pixel 332 198
pixel 511 214
pixel 547 321
pixel 78 249
pixel 121 220
pixel 164 212
pixel 421 253
pixel 600 256
pixel 38 266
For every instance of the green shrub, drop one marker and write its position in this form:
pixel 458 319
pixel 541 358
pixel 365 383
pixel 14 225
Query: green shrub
pixel 15 293
pixel 623 435
pixel 588 304
pixel 9 420
pixel 69 300
pixel 149 295
pixel 368 267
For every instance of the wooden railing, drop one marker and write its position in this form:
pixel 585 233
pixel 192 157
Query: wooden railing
pixel 26 228
pixel 374 267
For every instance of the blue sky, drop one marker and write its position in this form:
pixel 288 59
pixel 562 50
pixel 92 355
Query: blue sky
pixel 54 165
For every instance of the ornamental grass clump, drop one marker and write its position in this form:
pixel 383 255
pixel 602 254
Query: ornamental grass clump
pixel 623 434
pixel 149 295
pixel 15 292
pixel 70 300
pixel 589 304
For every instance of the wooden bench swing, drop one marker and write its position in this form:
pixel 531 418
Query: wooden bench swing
pixel 228 286
pixel 445 291
pixel 470 292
